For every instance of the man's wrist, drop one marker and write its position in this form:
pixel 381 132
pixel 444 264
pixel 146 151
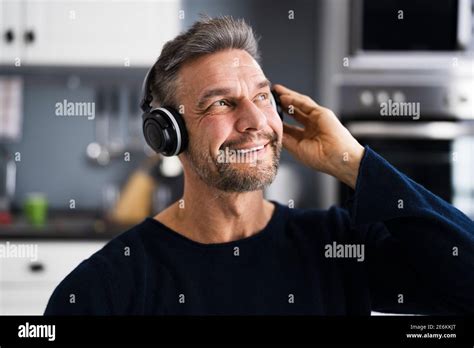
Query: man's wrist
pixel 347 169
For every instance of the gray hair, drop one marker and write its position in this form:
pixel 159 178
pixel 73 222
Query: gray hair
pixel 208 35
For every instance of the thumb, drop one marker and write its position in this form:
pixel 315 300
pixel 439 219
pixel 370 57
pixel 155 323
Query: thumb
pixel 290 143
pixel 291 137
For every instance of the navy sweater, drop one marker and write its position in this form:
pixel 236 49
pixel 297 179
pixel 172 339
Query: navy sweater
pixel 396 248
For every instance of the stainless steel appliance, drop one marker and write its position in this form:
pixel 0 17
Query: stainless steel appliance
pixel 407 91
pixel 434 145
pixel 411 26
pixel 407 35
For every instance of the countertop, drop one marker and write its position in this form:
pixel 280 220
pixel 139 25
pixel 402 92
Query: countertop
pixel 63 225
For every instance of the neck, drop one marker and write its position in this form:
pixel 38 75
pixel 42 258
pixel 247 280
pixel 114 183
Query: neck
pixel 208 215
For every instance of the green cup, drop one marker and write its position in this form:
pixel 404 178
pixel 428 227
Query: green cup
pixel 35 209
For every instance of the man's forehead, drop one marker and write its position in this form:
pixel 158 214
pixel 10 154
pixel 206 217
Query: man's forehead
pixel 217 71
pixel 220 63
pixel 228 80
pixel 226 84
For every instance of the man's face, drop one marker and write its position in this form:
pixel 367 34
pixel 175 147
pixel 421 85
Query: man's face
pixel 234 132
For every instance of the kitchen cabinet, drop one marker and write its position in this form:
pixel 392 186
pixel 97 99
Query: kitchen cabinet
pixel 26 285
pixel 90 33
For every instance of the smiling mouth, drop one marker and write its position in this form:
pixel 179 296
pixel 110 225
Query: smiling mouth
pixel 252 149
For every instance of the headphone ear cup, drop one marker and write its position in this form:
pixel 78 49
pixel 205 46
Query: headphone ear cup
pixel 153 131
pixel 165 131
pixel 179 134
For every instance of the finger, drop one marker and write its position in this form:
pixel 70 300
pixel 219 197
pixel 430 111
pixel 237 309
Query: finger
pixel 280 89
pixel 293 131
pixel 289 97
pixel 302 102
pixel 302 118
pixel 290 143
pixel 298 115
pixel 292 135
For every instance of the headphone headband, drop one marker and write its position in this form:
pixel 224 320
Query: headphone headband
pixel 147 97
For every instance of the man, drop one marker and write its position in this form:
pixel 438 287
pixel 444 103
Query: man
pixel 224 249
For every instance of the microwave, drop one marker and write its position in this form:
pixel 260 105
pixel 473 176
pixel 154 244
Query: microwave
pixel 411 26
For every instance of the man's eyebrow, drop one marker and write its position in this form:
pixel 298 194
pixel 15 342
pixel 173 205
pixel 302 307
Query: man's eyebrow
pixel 222 91
pixel 263 84
pixel 211 93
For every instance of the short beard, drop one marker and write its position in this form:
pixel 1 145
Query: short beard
pixel 226 177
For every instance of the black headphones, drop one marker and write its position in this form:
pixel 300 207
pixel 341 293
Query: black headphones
pixel 164 128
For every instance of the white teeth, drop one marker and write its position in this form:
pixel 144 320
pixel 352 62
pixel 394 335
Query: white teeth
pixel 251 149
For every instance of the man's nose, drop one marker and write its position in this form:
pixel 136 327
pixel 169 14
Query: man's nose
pixel 250 117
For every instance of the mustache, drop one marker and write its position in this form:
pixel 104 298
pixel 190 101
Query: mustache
pixel 271 137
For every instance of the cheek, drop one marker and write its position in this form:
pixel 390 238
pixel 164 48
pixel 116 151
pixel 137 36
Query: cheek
pixel 215 132
pixel 276 124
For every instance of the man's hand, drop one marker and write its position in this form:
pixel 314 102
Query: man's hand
pixel 323 143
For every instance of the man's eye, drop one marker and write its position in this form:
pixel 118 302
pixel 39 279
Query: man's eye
pixel 221 102
pixel 262 97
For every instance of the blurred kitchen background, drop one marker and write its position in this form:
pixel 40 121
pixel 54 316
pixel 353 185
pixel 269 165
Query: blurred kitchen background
pixel 68 173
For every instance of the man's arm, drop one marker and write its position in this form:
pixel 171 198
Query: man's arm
pixel 420 248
